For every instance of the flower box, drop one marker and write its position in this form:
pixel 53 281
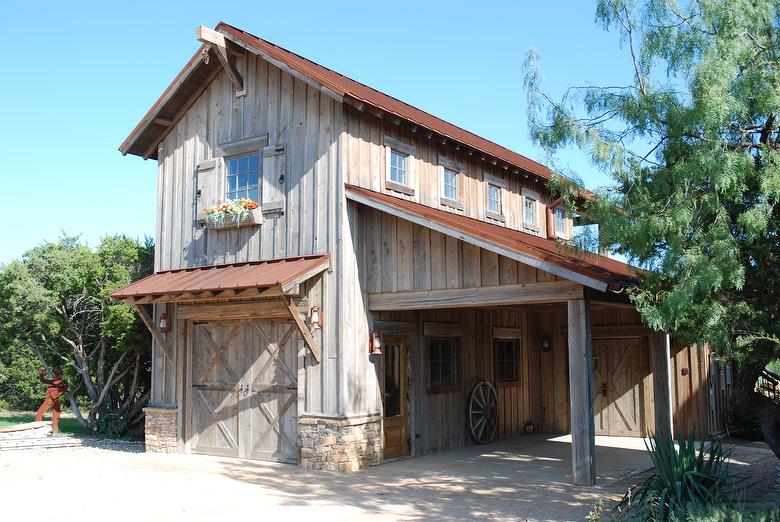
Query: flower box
pixel 253 218
pixel 238 213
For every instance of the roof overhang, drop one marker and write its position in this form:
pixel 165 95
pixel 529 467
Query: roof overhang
pixel 197 74
pixel 591 270
pixel 252 280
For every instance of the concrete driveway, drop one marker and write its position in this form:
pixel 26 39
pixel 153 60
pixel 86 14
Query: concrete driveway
pixel 520 479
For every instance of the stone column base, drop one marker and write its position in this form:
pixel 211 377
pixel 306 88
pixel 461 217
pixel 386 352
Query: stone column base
pixel 160 433
pixel 339 443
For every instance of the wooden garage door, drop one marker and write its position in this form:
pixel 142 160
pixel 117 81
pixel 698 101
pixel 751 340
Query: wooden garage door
pixel 244 389
pixel 617 387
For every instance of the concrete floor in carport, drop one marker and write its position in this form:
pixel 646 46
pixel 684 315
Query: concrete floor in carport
pixel 534 459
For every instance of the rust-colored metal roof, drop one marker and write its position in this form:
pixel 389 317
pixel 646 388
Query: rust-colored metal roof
pixel 237 276
pixel 148 132
pixel 547 254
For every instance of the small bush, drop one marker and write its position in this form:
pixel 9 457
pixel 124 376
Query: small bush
pixel 682 480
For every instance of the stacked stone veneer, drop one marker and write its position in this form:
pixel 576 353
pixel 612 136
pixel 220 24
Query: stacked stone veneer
pixel 160 430
pixel 339 444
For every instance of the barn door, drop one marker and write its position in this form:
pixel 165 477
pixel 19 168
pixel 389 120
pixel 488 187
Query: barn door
pixel 617 383
pixel 244 389
pixel 271 393
pixel 217 361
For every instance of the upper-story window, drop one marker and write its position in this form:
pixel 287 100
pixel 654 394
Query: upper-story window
pixel 449 183
pixel 243 177
pixel 493 198
pixel 560 222
pixel 530 211
pixel 398 167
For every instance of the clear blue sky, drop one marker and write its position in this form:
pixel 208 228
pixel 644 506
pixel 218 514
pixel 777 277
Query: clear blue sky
pixel 78 76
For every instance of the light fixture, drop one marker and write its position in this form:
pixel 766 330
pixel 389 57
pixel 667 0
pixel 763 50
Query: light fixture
pixel 375 343
pixel 164 325
pixel 545 344
pixel 315 318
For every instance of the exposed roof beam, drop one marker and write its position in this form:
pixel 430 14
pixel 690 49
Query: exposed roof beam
pixel 217 42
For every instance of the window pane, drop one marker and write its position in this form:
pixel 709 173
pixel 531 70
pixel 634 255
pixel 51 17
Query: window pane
pixel 442 362
pixel 243 177
pixel 450 183
pixel 506 360
pixel 530 211
pixel 494 202
pixel 232 166
pixel 397 167
pixel 560 223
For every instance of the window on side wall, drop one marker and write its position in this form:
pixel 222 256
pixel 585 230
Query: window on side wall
pixel 442 362
pixel 449 183
pixel 530 211
pixel 398 167
pixel 560 223
pixel 494 199
pixel 507 361
pixel 243 177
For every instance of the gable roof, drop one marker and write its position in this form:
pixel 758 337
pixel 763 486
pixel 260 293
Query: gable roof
pixel 593 270
pixel 194 77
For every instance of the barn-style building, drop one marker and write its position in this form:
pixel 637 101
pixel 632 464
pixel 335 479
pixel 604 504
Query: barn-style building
pixel 403 286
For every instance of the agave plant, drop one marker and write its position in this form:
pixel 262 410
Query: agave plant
pixel 683 478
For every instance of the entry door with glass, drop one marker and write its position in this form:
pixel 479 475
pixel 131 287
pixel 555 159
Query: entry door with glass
pixel 394 398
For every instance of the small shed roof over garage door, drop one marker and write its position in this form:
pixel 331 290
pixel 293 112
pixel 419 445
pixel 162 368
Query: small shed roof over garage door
pixel 223 281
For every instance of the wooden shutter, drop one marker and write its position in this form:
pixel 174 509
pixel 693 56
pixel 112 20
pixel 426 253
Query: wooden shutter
pixel 274 178
pixel 210 187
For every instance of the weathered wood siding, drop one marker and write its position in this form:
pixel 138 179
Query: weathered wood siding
pixel 541 397
pixel 399 255
pixel 366 168
pixel 310 126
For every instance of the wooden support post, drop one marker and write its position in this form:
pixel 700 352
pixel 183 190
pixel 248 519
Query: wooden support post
pixel 660 355
pixel 583 433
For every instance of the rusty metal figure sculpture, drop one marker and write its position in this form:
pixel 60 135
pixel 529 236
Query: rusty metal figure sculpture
pixel 56 388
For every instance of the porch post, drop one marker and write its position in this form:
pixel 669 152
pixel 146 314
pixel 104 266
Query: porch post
pixel 583 434
pixel 662 383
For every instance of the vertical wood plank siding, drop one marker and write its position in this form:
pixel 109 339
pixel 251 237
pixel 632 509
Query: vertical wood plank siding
pixel 309 125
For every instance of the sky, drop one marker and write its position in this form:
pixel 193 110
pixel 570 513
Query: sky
pixel 78 76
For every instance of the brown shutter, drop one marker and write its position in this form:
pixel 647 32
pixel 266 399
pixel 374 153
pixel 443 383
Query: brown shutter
pixel 274 178
pixel 210 187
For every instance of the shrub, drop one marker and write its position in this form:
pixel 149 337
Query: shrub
pixel 731 514
pixel 683 479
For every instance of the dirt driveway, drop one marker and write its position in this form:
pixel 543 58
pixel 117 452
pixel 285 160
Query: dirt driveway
pixel 90 482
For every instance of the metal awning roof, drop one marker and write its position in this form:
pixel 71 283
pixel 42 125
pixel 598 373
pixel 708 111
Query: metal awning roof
pixel 592 270
pixel 252 279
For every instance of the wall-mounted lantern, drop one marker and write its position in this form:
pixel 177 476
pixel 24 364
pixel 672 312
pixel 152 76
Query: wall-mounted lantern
pixel 375 343
pixel 164 324
pixel 315 318
pixel 545 344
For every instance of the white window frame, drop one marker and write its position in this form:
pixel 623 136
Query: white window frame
pixel 489 179
pixel 410 175
pixel 559 217
pixel 536 226
pixel 446 164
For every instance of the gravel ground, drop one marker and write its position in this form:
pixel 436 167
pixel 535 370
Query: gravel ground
pixel 194 488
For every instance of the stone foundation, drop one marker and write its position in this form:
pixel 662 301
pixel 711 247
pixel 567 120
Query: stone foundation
pixel 160 430
pixel 339 444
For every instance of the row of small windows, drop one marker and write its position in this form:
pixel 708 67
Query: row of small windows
pixel 443 361
pixel 398 174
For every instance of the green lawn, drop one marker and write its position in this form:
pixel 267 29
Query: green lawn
pixel 68 425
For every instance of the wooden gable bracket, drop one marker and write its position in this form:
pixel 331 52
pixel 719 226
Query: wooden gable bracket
pixel 225 51
pixel 301 324
pixel 158 337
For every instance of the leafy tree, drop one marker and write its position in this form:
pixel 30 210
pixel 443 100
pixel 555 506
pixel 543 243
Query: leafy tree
pixel 692 146
pixel 55 303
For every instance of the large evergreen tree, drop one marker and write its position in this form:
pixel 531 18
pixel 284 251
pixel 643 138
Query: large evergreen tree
pixel 692 145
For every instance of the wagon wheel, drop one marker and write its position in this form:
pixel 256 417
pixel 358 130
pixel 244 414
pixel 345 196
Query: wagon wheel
pixel 483 412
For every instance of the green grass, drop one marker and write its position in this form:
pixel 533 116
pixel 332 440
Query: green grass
pixel 68 425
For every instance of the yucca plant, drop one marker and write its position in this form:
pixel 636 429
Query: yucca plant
pixel 683 478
